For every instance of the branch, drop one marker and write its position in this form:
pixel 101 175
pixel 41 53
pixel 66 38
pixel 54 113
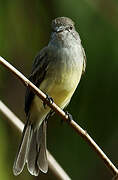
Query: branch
pixel 53 165
pixel 63 115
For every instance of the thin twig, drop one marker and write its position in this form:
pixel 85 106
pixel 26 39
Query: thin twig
pixel 53 165
pixel 63 115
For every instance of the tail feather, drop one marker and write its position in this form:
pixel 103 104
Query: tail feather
pixel 32 155
pixel 42 158
pixel 22 151
pixel 32 150
pixel 37 157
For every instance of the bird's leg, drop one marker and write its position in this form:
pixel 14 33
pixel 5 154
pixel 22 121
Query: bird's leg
pixel 70 118
pixel 51 113
pixel 49 99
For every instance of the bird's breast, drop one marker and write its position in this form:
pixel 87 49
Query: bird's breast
pixel 63 75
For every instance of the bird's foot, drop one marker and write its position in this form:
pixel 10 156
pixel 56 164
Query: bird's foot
pixel 49 99
pixel 70 118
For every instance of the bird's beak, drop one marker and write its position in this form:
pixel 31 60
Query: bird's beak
pixel 59 29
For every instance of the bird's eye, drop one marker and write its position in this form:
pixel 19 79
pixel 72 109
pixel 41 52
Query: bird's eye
pixel 71 27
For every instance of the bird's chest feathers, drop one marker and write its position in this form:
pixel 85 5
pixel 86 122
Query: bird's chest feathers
pixel 66 69
pixel 63 75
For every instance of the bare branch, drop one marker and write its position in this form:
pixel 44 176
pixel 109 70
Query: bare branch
pixel 63 115
pixel 11 116
pixel 53 165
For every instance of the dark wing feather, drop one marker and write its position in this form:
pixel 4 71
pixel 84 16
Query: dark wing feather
pixel 37 75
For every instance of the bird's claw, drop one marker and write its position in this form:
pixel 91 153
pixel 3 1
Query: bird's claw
pixel 49 99
pixel 70 118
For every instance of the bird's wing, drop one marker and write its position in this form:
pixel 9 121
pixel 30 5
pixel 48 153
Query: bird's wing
pixel 37 75
pixel 84 61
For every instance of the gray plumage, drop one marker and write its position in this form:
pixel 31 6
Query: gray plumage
pixel 57 70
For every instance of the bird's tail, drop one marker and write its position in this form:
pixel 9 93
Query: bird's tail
pixel 32 150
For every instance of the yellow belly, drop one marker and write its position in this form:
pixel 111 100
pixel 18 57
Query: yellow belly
pixel 60 86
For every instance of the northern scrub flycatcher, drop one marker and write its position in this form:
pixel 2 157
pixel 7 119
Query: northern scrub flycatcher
pixel 57 70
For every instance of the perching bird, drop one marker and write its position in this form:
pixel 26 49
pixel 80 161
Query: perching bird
pixel 57 70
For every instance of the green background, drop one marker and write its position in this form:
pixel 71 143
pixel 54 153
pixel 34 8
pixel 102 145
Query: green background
pixel 24 30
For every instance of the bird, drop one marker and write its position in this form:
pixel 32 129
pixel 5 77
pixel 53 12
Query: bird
pixel 57 70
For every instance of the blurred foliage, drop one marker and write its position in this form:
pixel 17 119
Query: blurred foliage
pixel 24 30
